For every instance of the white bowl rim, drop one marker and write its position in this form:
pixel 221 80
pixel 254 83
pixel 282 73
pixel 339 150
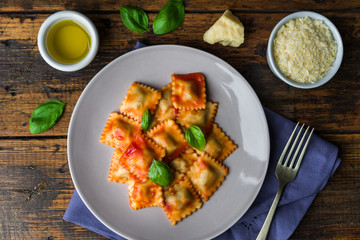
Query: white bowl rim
pixel 336 64
pixel 68 15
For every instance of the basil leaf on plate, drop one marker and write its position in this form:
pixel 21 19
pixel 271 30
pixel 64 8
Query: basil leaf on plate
pixel 170 17
pixel 45 116
pixel 160 173
pixel 135 19
pixel 195 137
pixel 146 120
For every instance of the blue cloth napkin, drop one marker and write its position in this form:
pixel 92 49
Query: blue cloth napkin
pixel 320 162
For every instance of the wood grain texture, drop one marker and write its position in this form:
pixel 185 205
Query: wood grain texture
pixel 26 80
pixel 36 188
pixel 198 5
pixel 36 185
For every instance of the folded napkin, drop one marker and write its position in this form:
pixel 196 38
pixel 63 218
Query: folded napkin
pixel 319 164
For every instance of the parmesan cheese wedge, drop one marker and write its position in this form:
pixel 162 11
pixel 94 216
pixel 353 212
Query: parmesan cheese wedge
pixel 227 30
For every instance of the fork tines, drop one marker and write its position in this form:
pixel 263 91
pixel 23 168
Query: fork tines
pixel 295 143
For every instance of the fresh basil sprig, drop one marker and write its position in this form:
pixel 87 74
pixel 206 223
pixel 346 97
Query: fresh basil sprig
pixel 45 116
pixel 195 137
pixel 160 173
pixel 134 18
pixel 170 17
pixel 146 120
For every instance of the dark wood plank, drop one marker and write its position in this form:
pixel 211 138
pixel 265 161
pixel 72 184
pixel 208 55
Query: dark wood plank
pixel 338 200
pixel 198 5
pixel 36 188
pixel 26 80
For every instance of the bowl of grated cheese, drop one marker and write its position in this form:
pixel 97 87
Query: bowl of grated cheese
pixel 305 50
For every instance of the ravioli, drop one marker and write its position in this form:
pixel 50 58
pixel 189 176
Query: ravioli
pixel 165 109
pixel 218 144
pixel 144 194
pixel 139 155
pixel 203 118
pixel 117 172
pixel 183 162
pixel 139 98
pixel 181 200
pixel 207 174
pixel 168 135
pixel 119 131
pixel 188 91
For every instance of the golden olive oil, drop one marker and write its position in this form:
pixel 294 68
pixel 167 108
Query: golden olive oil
pixel 68 42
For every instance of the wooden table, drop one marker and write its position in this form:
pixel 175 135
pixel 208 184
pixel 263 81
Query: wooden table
pixel 36 186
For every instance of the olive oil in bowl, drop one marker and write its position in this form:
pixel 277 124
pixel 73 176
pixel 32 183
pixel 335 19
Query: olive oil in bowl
pixel 68 42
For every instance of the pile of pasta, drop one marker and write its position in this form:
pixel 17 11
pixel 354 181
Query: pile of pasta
pixel 175 108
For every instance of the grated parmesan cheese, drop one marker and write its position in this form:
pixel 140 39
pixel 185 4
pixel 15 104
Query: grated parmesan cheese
pixel 304 49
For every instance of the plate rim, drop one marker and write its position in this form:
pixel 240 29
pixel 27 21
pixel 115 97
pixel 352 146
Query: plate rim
pixel 136 51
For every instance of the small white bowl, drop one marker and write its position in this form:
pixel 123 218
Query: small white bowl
pixel 68 15
pixel 332 70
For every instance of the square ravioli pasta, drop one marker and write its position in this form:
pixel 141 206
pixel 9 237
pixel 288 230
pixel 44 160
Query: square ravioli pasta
pixel 144 194
pixel 183 162
pixel 165 109
pixel 207 174
pixel 188 91
pixel 181 200
pixel 117 173
pixel 168 135
pixel 139 155
pixel 202 118
pixel 218 145
pixel 139 98
pixel 119 131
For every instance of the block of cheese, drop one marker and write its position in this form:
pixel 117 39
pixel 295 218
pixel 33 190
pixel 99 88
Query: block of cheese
pixel 227 30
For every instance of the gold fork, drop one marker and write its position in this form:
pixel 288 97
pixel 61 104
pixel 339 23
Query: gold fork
pixel 286 172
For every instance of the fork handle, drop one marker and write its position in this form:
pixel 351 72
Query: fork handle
pixel 265 228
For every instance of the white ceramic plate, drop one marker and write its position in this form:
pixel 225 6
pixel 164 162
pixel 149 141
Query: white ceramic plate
pixel 240 115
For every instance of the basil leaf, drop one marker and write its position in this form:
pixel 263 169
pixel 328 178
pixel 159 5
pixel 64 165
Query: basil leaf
pixel 160 173
pixel 146 120
pixel 195 137
pixel 170 17
pixel 45 116
pixel 134 19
